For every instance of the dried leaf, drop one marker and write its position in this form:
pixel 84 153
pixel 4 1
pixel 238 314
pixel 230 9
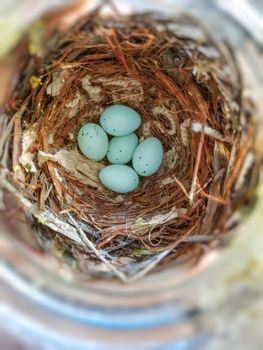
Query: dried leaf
pixel 93 91
pixel 26 158
pixel 57 83
pixel 142 226
pixel 84 170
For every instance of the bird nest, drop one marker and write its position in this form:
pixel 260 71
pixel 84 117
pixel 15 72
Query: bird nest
pixel 187 89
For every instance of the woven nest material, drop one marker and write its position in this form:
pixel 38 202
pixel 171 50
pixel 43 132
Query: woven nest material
pixel 188 91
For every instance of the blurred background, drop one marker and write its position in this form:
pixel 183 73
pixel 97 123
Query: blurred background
pixel 217 306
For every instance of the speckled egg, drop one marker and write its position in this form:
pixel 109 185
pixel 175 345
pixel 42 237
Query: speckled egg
pixel 119 178
pixel 148 157
pixel 120 120
pixel 121 148
pixel 93 141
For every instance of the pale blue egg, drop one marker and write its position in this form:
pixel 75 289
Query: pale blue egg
pixel 148 157
pixel 120 120
pixel 121 148
pixel 119 178
pixel 93 141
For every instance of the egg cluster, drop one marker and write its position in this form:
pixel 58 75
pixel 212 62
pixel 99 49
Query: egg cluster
pixel 120 122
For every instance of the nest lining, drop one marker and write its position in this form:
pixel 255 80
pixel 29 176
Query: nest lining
pixel 188 91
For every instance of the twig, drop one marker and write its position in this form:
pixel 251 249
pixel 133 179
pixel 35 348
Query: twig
pixel 196 168
pixel 155 260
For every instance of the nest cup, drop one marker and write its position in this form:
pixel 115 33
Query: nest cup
pixel 188 91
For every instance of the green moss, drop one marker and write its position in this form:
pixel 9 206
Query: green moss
pixel 35 82
pixel 40 220
pixel 141 252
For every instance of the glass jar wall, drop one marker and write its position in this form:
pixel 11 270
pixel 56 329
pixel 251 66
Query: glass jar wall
pixel 45 305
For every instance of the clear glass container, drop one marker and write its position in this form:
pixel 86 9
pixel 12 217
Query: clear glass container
pixel 46 306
